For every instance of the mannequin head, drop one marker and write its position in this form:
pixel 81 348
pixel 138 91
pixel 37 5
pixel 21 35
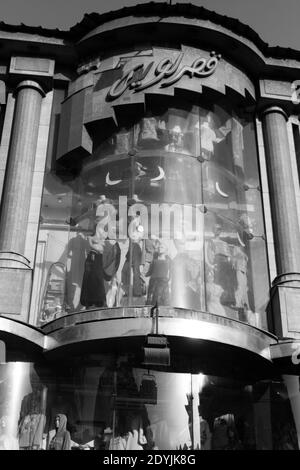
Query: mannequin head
pixel 60 422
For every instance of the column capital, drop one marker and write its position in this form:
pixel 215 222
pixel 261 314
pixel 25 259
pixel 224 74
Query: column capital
pixel 30 84
pixel 273 109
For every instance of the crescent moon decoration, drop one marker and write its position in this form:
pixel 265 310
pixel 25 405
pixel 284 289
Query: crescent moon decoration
pixel 220 191
pixel 161 175
pixel 240 241
pixel 110 182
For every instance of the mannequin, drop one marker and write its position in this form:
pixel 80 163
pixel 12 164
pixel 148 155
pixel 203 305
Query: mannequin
pixel 122 141
pixel 61 439
pixel 219 258
pixel 64 404
pixel 32 420
pixel 176 140
pixel 7 441
pixel 93 289
pixel 240 264
pixel 134 272
pixel 220 439
pixel 213 296
pixel 148 130
pixel 158 290
pixel 111 263
pixel 205 434
pixel 134 438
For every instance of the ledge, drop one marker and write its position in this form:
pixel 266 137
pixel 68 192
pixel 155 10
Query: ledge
pixel 136 322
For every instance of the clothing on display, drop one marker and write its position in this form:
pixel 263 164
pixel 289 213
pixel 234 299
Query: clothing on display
pixel 134 439
pixel 93 290
pixel 158 289
pixel 224 435
pixel 176 137
pixel 185 281
pixel 209 136
pixel 134 274
pixel 32 421
pixel 148 130
pixel 237 142
pixel 213 299
pixel 122 142
pixel 220 436
pixel 219 258
pixel 7 441
pixel 205 434
pixel 240 264
pixel 111 263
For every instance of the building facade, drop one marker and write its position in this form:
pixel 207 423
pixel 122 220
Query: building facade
pixel 149 234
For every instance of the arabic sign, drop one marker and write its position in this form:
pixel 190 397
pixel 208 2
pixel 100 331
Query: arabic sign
pixel 167 72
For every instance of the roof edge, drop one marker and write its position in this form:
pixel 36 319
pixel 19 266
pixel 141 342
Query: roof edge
pixel 91 21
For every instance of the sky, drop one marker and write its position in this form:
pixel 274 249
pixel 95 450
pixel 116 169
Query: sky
pixel 276 21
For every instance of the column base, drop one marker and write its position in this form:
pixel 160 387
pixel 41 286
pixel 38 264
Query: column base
pixel 284 307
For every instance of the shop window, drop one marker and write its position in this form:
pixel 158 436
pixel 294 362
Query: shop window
pixel 111 402
pixel 191 234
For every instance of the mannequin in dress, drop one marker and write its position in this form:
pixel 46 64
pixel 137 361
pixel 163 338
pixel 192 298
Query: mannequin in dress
pixel 32 420
pixel 158 290
pixel 219 258
pixel 93 292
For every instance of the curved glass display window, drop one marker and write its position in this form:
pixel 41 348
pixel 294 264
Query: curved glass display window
pixel 104 402
pixel 167 211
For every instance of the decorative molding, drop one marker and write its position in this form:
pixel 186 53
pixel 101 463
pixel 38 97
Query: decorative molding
pixel 32 66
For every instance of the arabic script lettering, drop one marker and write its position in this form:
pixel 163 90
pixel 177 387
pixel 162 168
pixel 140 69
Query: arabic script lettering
pixel 167 72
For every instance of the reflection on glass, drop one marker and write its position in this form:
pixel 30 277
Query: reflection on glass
pixel 184 157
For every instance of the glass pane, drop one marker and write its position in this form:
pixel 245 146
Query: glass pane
pixel 167 210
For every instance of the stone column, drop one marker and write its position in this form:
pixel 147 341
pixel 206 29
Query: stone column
pixel 21 159
pixel 284 220
pixel 15 272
